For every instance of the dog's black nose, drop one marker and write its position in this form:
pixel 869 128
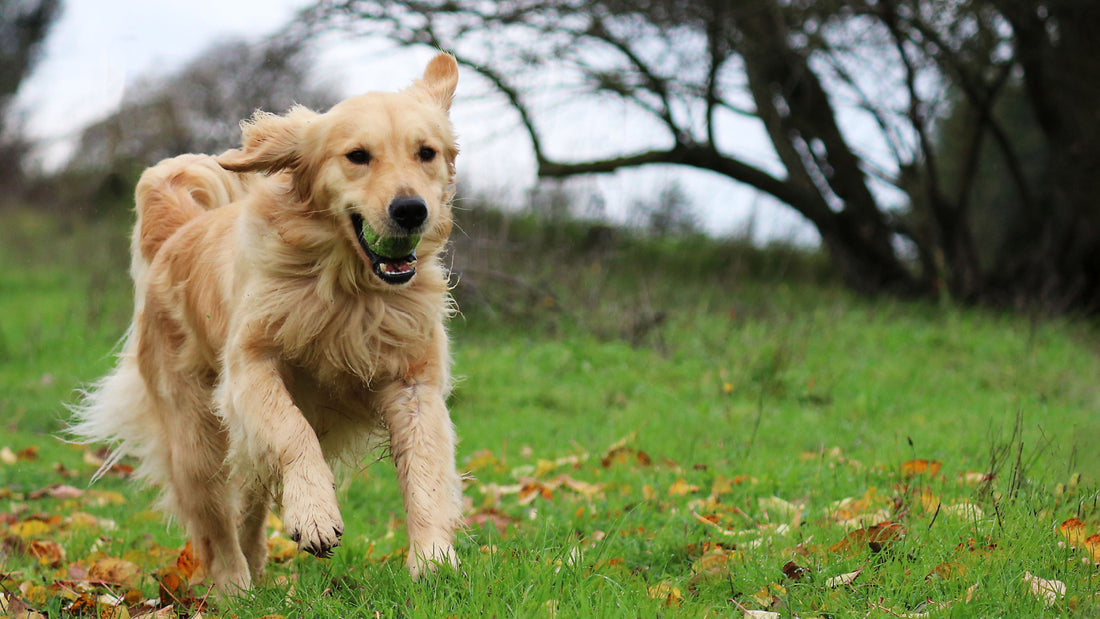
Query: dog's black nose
pixel 409 213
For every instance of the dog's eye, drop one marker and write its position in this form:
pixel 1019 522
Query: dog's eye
pixel 426 153
pixel 358 156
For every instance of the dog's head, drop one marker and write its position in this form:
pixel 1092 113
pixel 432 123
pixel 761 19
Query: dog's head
pixel 381 165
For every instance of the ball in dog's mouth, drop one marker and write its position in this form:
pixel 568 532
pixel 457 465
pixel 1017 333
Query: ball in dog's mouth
pixel 392 257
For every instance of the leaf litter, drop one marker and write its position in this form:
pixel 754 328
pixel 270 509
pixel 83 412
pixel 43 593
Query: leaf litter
pixel 823 546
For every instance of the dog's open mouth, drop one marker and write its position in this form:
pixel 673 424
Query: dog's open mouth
pixel 399 265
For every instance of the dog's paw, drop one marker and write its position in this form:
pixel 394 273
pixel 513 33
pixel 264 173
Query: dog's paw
pixel 421 562
pixel 313 521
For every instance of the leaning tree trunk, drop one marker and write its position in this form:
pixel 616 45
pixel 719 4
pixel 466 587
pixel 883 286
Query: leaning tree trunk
pixel 802 125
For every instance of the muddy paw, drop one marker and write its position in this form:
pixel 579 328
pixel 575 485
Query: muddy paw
pixel 313 520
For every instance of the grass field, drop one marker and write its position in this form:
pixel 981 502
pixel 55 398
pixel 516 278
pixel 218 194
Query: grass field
pixel 652 428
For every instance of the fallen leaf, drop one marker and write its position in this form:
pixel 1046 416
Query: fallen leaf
pixel 794 571
pixel 761 614
pixel 7 456
pixel 1049 590
pixel 29 528
pixel 625 455
pixel 48 553
pixel 495 517
pixel 664 591
pixel 876 538
pixel 964 510
pixel 115 571
pixel 57 491
pixel 1092 545
pixel 682 488
pixel 187 562
pixel 281 549
pixel 483 459
pixel 1073 530
pixel 917 467
pixel 843 579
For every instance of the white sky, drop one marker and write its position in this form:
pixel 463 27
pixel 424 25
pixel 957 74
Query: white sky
pixel 100 47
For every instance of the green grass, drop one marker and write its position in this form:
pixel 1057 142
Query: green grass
pixel 727 376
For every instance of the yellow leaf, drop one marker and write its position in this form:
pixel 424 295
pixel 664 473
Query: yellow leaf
pixel 681 488
pixel 106 497
pixel 721 485
pixel 7 456
pixel 481 460
pixel 1092 545
pixel 281 549
pixel 665 591
pixel 648 493
pixel 1074 531
pixel 29 528
pixel 542 467
pixel 929 501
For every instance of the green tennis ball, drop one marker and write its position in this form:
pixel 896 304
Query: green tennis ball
pixel 392 247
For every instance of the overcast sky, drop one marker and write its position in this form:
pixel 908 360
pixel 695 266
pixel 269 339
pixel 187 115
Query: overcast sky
pixel 100 47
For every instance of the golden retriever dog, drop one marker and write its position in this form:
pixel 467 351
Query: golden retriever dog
pixel 290 300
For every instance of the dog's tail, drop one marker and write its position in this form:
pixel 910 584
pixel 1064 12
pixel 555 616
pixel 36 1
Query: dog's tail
pixel 115 411
pixel 172 193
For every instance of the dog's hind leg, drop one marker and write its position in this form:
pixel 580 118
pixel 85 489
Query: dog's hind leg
pixel 257 500
pixel 201 494
pixel 194 472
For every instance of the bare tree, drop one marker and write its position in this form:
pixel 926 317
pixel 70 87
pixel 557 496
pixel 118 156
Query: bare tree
pixel 805 69
pixel 24 25
pixel 199 108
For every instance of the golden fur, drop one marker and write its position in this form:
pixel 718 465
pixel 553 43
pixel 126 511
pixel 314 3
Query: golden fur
pixel 263 342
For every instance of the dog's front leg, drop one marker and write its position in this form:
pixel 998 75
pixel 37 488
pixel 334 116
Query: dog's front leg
pixel 271 436
pixel 422 442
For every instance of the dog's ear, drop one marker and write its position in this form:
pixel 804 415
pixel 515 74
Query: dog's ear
pixel 269 143
pixel 440 80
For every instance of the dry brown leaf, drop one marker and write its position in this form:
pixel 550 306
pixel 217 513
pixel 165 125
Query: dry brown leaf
pixel 172 588
pixel 794 571
pixel 48 553
pixel 625 455
pixel 876 538
pixel 115 571
pixel 57 491
pixel 493 516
